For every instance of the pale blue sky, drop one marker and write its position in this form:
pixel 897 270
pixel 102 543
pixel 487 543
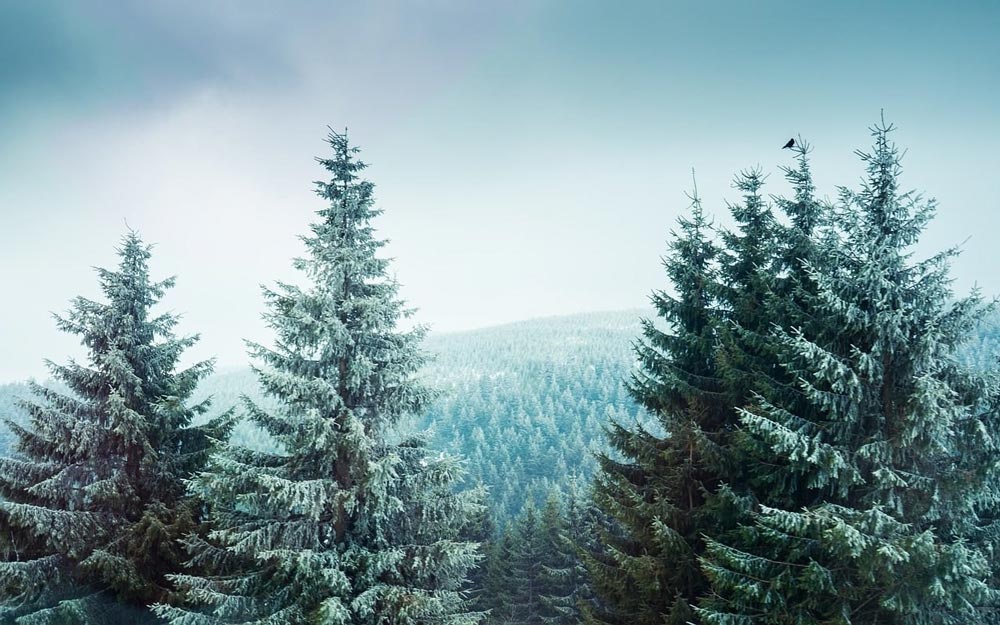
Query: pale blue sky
pixel 531 157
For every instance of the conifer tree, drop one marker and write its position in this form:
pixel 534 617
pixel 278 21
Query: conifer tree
pixel 567 527
pixel 664 492
pixel 92 504
pixel 343 523
pixel 534 573
pixel 481 529
pixel 783 294
pixel 498 583
pixel 525 568
pixel 887 457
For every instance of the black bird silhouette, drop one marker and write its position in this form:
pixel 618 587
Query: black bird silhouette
pixel 791 143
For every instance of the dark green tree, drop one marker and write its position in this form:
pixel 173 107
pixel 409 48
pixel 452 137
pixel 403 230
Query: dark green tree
pixel 344 522
pixel 526 567
pixel 498 583
pixel 747 265
pixel 481 529
pixel 780 293
pixel 93 502
pixel 665 487
pixel 568 525
pixel 534 572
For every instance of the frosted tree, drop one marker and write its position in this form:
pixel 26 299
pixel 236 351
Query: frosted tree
pixel 886 464
pixel 93 501
pixel 344 523
pixel 664 489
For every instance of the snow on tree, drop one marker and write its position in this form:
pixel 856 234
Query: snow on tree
pixel 882 459
pixel 93 501
pixel 344 523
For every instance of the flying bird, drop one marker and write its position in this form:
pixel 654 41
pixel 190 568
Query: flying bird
pixel 791 143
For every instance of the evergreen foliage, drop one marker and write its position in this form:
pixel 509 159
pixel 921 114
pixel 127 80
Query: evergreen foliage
pixel 747 260
pixel 663 492
pixel 534 572
pixel 569 529
pixel 93 499
pixel 765 285
pixel 881 466
pixel 525 568
pixel 11 398
pixel 342 523
pixel 807 436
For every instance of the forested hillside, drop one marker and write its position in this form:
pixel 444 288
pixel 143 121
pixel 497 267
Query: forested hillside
pixel 802 428
pixel 523 402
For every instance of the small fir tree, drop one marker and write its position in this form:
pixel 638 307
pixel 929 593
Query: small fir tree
pixel 566 527
pixel 499 586
pixel 525 568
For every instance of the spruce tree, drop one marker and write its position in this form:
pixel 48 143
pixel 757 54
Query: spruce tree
pixel 344 523
pixel 665 489
pixel 525 568
pixel 499 586
pixel 93 502
pixel 780 292
pixel 534 573
pixel 566 527
pixel 886 458
pixel 480 528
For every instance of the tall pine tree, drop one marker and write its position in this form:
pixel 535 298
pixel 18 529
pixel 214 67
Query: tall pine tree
pixel 886 458
pixel 93 502
pixel 774 289
pixel 344 523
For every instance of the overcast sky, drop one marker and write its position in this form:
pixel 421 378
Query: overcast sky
pixel 531 157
